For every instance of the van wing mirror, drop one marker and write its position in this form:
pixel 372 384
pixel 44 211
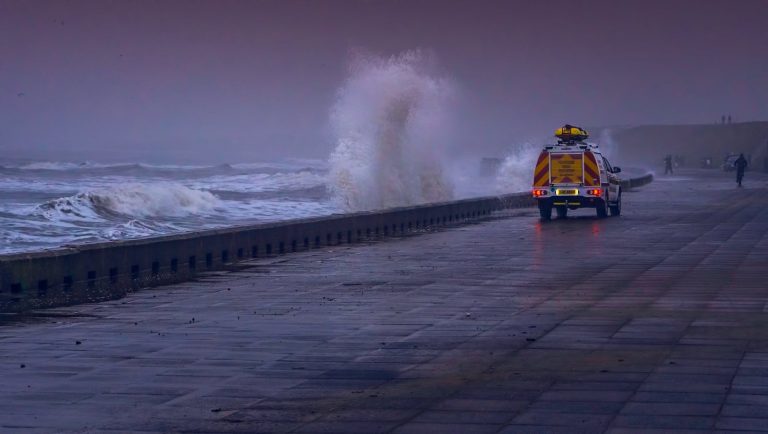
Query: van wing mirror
pixel 616 169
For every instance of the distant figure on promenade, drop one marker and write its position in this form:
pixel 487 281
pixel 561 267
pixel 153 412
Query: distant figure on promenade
pixel 668 165
pixel 729 119
pixel 741 165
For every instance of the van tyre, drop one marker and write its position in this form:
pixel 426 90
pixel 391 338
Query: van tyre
pixel 602 209
pixel 562 212
pixel 545 210
pixel 616 208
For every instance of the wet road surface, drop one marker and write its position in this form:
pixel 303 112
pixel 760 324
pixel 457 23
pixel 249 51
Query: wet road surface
pixel 654 320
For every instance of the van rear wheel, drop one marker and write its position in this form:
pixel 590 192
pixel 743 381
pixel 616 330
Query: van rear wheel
pixel 616 209
pixel 602 209
pixel 545 210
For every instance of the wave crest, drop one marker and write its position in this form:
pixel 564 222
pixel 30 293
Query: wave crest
pixel 388 119
pixel 134 200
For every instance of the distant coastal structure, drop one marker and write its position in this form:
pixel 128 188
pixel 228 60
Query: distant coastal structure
pixel 647 144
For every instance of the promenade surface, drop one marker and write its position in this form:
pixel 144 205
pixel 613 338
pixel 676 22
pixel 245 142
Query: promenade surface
pixel 654 320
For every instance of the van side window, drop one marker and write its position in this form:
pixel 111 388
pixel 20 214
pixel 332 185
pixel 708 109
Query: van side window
pixel 607 166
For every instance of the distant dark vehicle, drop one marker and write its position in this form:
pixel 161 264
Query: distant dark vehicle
pixel 728 163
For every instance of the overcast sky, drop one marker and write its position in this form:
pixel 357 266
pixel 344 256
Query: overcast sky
pixel 254 80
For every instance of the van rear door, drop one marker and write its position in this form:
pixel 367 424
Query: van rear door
pixel 566 168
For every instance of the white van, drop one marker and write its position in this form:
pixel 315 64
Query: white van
pixel 574 174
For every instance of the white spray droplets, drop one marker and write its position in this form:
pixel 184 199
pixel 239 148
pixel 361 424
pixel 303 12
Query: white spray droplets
pixel 388 120
pixel 516 171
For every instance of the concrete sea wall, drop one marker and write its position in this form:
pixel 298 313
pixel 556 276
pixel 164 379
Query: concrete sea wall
pixel 640 181
pixel 101 271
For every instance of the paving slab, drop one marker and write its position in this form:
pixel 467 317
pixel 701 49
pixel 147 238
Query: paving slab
pixel 656 321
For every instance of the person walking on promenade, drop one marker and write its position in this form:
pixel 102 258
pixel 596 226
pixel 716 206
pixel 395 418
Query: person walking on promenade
pixel 668 165
pixel 741 165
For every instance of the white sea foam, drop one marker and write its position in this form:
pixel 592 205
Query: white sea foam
pixel 135 229
pixel 136 200
pixel 291 164
pixel 388 119
pixel 263 182
pixel 51 204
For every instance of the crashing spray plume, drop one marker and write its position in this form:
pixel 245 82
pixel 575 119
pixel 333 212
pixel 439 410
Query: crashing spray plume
pixel 516 171
pixel 388 119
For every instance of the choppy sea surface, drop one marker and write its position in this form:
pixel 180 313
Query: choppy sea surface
pixel 50 204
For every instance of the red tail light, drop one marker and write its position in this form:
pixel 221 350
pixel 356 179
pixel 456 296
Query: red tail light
pixel 539 193
pixel 595 191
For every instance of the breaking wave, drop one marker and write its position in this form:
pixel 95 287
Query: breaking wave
pixel 48 204
pixel 134 200
pixel 388 119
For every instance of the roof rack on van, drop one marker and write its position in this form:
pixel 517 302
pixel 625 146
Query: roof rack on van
pixel 580 145
pixel 570 135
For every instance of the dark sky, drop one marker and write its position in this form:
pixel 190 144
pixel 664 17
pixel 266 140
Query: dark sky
pixel 251 80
